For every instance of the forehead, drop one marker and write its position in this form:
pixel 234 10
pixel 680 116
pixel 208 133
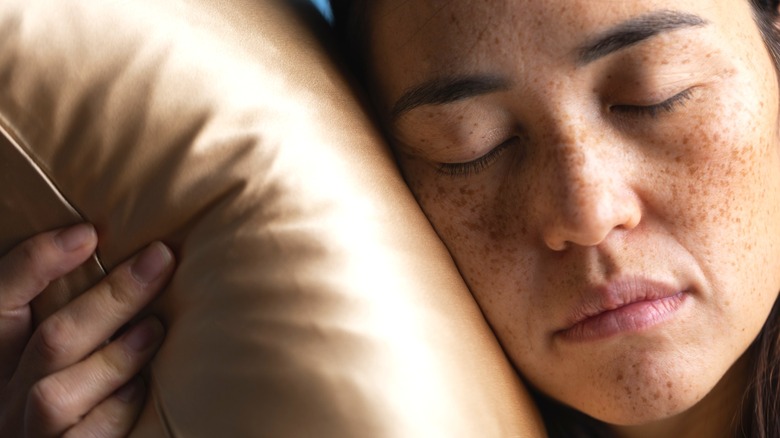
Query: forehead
pixel 415 40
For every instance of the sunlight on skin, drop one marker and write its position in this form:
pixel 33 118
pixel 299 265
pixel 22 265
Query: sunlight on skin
pixel 570 174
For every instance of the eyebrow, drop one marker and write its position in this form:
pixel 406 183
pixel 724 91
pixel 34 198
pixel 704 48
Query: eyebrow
pixel 440 91
pixel 635 31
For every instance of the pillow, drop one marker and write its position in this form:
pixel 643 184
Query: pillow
pixel 312 297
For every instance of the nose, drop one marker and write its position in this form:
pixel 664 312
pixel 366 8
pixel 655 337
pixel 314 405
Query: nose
pixel 590 197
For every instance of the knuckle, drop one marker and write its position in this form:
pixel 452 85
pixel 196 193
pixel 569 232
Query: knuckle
pixel 29 251
pixel 94 431
pixel 30 258
pixel 116 424
pixel 117 367
pixel 53 337
pixel 120 291
pixel 103 424
pixel 48 401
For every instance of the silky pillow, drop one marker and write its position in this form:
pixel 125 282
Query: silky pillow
pixel 312 298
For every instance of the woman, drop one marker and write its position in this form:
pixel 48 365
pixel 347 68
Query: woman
pixel 607 178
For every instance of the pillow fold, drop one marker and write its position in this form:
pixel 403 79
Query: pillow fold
pixel 312 297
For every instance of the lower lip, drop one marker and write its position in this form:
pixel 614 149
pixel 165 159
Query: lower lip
pixel 633 317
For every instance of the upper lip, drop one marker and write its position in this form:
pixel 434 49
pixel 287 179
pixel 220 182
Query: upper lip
pixel 617 294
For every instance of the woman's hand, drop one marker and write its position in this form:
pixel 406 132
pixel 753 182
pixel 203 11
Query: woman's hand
pixel 63 378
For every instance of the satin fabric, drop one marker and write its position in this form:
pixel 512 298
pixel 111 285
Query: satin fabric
pixel 312 297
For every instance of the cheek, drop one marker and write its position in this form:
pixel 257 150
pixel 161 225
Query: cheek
pixel 458 211
pixel 470 215
pixel 717 191
pixel 490 241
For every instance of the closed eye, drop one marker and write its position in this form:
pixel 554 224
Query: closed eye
pixel 475 166
pixel 667 106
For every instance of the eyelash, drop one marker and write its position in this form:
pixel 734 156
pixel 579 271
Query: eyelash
pixel 667 106
pixel 485 161
pixel 475 166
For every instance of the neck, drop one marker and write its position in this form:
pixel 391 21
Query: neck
pixel 716 415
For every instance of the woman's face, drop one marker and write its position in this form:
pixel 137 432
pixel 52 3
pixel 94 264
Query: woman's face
pixel 607 177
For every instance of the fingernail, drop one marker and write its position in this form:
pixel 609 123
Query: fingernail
pixel 75 237
pixel 130 391
pixel 152 262
pixel 144 335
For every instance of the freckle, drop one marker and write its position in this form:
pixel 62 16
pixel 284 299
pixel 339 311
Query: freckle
pixel 619 377
pixel 669 384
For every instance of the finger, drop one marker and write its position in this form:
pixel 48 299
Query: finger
pixel 60 400
pixel 29 267
pixel 114 417
pixel 25 272
pixel 79 328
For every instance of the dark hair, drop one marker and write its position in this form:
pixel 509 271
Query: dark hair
pixel 350 22
pixel 760 416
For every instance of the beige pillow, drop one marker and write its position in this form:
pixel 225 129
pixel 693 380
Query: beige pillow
pixel 312 298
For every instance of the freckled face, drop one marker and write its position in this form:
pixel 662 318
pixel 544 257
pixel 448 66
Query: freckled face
pixel 557 172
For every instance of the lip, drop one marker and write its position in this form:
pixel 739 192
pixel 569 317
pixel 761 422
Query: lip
pixel 622 307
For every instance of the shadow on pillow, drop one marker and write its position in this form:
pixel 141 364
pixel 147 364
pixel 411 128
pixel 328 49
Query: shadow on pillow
pixel 312 297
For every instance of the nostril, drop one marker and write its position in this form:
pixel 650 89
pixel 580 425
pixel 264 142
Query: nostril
pixel 556 242
pixel 590 227
pixel 561 247
pixel 584 200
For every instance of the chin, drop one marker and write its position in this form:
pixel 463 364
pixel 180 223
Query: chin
pixel 641 407
pixel 639 385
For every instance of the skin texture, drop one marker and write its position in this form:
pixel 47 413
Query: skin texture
pixel 591 194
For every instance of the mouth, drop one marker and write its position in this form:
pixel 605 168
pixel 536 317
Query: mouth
pixel 623 307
